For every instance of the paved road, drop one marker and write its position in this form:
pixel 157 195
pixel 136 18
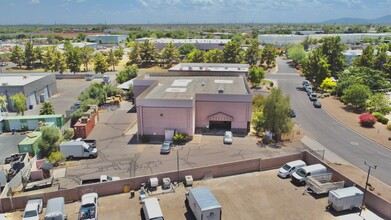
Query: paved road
pixel 326 130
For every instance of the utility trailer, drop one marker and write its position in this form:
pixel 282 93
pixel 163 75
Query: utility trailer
pixel 323 183
pixel 203 204
pixel 346 198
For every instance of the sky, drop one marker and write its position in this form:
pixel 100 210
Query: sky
pixel 186 11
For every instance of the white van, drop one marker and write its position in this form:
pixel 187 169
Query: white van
pixel 291 167
pixel 151 209
pixel 300 176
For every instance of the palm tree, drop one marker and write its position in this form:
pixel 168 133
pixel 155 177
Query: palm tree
pixel 47 109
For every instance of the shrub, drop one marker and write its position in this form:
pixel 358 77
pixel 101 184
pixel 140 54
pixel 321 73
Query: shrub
pixel 367 120
pixel 180 139
pixel 389 127
pixel 56 157
pixel 68 134
pixel 384 121
pixel 380 117
pixel 271 84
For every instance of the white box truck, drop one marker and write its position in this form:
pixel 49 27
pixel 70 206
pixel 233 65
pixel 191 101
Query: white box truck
pixel 55 209
pixel 203 204
pixel 300 176
pixel 151 209
pixel 72 149
pixel 346 198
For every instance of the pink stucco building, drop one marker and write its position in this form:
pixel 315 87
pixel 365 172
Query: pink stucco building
pixel 194 96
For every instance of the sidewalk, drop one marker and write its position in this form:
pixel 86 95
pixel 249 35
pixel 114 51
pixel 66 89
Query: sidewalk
pixel 338 110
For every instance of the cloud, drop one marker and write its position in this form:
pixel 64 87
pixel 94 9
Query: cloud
pixel 35 1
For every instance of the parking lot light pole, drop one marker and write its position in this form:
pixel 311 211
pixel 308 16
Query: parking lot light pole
pixel 177 164
pixel 366 184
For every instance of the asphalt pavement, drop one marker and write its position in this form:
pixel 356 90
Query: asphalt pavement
pixel 335 136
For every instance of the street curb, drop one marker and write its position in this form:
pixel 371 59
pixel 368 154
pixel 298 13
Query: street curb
pixel 357 132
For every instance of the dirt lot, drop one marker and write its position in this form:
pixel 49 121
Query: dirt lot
pixel 260 195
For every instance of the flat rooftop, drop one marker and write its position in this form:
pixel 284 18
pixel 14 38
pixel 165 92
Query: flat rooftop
pixel 183 87
pixel 15 79
pixel 190 41
pixel 210 67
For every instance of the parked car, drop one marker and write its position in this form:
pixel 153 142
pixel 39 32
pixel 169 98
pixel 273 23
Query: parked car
pixel 227 137
pixel 292 113
pixel 166 147
pixel 305 83
pixel 313 97
pixel 317 104
pixel 33 209
pixel 290 167
pixel 89 207
pixel 309 91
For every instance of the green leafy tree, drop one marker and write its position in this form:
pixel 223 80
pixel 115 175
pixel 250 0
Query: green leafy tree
pixel 376 80
pixel 170 54
pixel 332 48
pixel 29 55
pixel 185 49
pixel 387 68
pixel 297 54
pixel 73 58
pixel 119 53
pixel 148 52
pixel 378 102
pixel 269 55
pixel 253 53
pixel 316 67
pixel 94 92
pixel 100 63
pixel 381 57
pixel 134 54
pixel 307 42
pixel 357 95
pixel 214 56
pixel 112 60
pixel 126 74
pixel 59 62
pixel 258 120
pixel 255 75
pixel 39 53
pixel 17 56
pixel 86 56
pixel 366 59
pixel 3 103
pixel 68 134
pixel 50 140
pixel 232 52
pixel 196 56
pixel 258 102
pixel 19 103
pixel 276 113
pixel 47 109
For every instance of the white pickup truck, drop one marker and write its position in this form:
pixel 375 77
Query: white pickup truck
pixel 89 207
pixel 33 209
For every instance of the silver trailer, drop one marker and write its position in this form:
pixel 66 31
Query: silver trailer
pixel 203 204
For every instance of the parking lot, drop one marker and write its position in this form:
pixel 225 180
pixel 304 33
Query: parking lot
pixel 120 155
pixel 259 195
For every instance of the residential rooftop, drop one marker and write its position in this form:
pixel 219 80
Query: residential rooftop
pixel 183 87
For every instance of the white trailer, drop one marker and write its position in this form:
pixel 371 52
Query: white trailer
pixel 323 183
pixel 346 198
pixel 203 204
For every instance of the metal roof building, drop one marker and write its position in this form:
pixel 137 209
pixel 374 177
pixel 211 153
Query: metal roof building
pixel 200 44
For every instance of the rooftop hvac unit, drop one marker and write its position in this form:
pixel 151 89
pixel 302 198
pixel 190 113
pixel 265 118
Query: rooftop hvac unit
pixel 189 180
pixel 166 183
pixel 153 182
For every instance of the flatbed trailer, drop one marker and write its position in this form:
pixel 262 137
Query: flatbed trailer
pixel 323 183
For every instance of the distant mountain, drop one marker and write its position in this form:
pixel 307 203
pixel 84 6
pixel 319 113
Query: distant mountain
pixel 382 20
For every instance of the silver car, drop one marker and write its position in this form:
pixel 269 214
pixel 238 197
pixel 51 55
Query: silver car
pixel 227 137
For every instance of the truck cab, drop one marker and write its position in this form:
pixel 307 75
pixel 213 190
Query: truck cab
pixel 33 209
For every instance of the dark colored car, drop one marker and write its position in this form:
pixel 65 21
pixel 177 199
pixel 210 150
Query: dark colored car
pixel 317 104
pixel 313 97
pixel 166 147
pixel 292 113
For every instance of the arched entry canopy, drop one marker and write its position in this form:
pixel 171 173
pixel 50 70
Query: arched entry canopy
pixel 220 120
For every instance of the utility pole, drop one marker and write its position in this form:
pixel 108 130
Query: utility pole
pixel 177 164
pixel 366 184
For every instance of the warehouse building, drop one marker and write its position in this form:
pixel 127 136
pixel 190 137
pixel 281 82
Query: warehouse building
pixel 200 44
pixel 214 97
pixel 37 87
pixel 107 39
